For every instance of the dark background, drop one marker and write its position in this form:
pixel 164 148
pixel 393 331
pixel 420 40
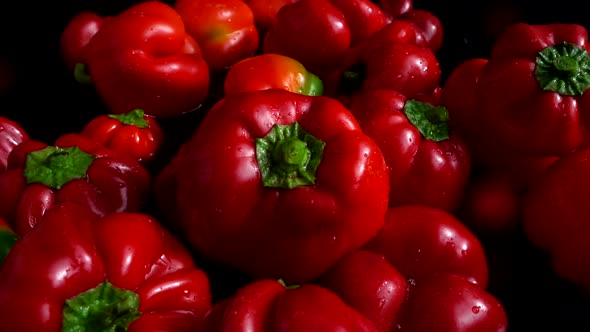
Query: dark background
pixel 36 91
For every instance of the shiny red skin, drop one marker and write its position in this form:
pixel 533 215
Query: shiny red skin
pixel 224 29
pixel 144 58
pixel 512 102
pixel 141 144
pixel 268 306
pixel 266 71
pixel 421 170
pixel 265 12
pixel 364 18
pixel 449 303
pixel 458 95
pixel 420 241
pixel 152 263
pixel 313 32
pixel 237 219
pixel 396 8
pixel 367 282
pixel 11 135
pixel 76 36
pixel 113 183
pixel 428 24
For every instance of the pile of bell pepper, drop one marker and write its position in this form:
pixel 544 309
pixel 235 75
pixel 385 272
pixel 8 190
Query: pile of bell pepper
pixel 335 178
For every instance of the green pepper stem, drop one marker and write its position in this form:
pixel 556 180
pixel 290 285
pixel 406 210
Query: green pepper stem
pixel 563 68
pixel 133 118
pixel 55 166
pixel 104 308
pixel 288 156
pixel 431 121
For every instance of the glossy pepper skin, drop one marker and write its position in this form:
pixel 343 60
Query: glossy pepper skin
pixel 133 134
pixel 144 58
pixel 267 305
pixel 367 282
pixel 420 241
pixel 7 240
pixel 446 302
pixel 428 163
pixel 313 32
pixel 263 156
pixel 74 169
pixel 265 12
pixel 271 71
pixel 74 40
pixel 555 216
pixel 224 29
pixel 11 135
pixel 533 89
pixel 99 274
pixel 398 57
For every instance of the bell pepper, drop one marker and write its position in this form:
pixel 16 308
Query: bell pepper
pixel 7 240
pixel 75 38
pixel 271 71
pixel 396 8
pixel 224 29
pixel 144 58
pixel 11 135
pixel 134 134
pixel 319 33
pixel 313 32
pixel 420 241
pixel 267 305
pixel 428 164
pixel 368 283
pixel 79 272
pixel 397 57
pixel 428 24
pixel 447 302
pixel 487 153
pixel 74 169
pixel 272 155
pixel 532 91
pixel 265 12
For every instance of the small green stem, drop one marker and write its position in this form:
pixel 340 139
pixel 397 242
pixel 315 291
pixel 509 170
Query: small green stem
pixel 288 156
pixel 431 121
pixel 563 68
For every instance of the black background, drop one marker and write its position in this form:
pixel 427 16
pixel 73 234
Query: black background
pixel 47 102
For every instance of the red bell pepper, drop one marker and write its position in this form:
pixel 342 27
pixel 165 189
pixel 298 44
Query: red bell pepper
pixel 555 215
pixel 143 58
pixel 271 71
pixel 428 24
pixel 458 95
pixel 397 57
pixel 446 302
pixel 265 12
pixel 532 91
pixel 11 135
pixel 133 134
pixel 79 272
pixel 75 169
pixel 313 32
pixel 74 40
pixel 368 283
pixel 224 29
pixel 420 241
pixel 396 8
pixel 428 164
pixel 263 156
pixel 267 305
pixel 364 18
pixel 7 240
